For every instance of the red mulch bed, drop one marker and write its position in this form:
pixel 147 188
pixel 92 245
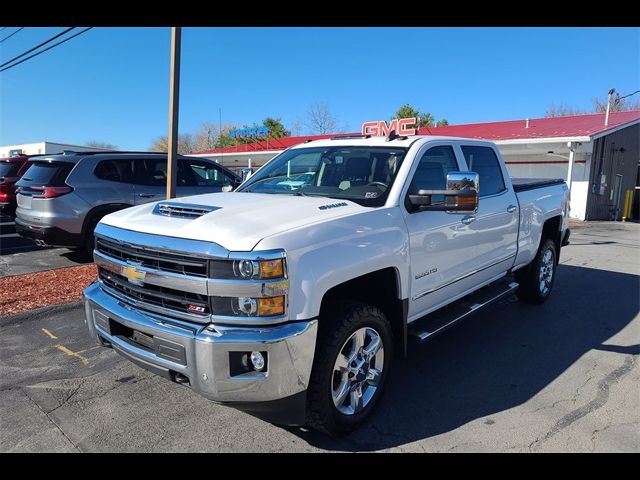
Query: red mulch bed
pixel 34 290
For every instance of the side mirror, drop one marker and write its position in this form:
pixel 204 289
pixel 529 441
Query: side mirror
pixel 461 195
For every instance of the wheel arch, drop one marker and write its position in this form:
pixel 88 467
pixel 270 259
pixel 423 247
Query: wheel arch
pixel 552 229
pixel 380 288
pixel 99 212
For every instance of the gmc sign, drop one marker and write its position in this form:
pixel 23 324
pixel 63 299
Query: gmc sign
pixel 380 128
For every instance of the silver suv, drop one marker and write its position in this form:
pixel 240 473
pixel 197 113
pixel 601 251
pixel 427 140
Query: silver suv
pixel 62 197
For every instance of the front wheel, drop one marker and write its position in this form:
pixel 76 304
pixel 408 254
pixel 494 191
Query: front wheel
pixel 536 280
pixel 352 360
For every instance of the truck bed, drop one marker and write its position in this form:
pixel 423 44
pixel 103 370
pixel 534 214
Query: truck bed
pixel 523 184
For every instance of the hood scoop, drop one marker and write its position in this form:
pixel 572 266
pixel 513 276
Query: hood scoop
pixel 182 210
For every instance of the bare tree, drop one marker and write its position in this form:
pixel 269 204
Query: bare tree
pixel 599 106
pixel 320 120
pixel 562 110
pixel 296 128
pixel 185 144
pixel 617 104
pixel 99 144
pixel 206 138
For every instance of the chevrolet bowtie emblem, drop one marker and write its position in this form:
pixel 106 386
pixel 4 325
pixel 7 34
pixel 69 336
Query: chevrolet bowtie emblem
pixel 134 275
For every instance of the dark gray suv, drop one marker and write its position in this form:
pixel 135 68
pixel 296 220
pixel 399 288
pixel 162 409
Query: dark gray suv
pixel 62 197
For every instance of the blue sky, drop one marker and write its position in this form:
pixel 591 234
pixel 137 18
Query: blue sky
pixel 111 84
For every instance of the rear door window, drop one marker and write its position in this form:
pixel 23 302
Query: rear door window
pixel 484 162
pixel 119 170
pixel 151 171
pixel 46 174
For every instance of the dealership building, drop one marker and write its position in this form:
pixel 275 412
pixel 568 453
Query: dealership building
pixel 599 160
pixel 43 148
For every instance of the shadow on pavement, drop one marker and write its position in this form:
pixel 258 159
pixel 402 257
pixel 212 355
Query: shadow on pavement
pixel 496 360
pixel 78 256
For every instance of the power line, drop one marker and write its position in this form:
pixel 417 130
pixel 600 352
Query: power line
pixel 11 35
pixel 620 98
pixel 48 48
pixel 37 46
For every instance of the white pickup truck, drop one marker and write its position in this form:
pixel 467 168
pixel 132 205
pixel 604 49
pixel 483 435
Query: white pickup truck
pixel 288 297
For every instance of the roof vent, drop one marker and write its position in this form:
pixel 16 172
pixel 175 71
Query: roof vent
pixel 526 124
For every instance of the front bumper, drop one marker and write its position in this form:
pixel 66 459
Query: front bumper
pixel 200 355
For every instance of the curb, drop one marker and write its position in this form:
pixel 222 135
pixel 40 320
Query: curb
pixel 38 313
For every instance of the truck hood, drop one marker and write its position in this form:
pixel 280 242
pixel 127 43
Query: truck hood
pixel 239 220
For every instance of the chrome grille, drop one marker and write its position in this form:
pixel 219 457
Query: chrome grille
pixel 154 295
pixel 183 210
pixel 164 261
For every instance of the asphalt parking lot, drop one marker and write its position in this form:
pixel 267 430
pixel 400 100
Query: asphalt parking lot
pixel 563 376
pixel 20 255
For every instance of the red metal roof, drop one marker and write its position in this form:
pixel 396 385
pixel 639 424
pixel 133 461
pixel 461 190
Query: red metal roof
pixel 570 126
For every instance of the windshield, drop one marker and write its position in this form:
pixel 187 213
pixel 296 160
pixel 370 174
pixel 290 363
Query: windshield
pixel 361 174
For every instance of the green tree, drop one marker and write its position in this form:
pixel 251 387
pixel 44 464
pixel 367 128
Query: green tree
pixel 442 123
pixel 276 128
pixel 422 119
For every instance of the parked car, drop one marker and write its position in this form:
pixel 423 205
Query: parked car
pixel 11 169
pixel 61 198
pixel 288 298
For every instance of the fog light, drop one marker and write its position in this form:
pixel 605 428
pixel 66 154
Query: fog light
pixel 247 305
pixel 257 360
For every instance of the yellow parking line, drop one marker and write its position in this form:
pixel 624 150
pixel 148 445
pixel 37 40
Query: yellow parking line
pixel 65 350
pixel 87 349
pixel 51 335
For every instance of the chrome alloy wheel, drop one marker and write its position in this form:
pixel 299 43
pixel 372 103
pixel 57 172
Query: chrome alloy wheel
pixel 545 276
pixel 357 371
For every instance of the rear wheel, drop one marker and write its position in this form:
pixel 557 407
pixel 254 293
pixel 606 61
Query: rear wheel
pixel 537 279
pixel 352 359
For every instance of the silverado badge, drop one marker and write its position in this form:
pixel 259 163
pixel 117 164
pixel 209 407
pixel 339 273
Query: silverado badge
pixel 134 275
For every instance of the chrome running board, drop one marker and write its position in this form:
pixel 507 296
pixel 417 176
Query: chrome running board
pixel 427 327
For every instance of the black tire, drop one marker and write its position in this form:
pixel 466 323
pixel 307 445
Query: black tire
pixel 335 328
pixel 529 277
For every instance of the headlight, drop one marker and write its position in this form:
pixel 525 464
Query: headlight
pixel 247 269
pixel 249 284
pixel 251 269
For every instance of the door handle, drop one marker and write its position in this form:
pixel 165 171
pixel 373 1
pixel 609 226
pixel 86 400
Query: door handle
pixel 468 219
pixel 146 195
pixel 511 208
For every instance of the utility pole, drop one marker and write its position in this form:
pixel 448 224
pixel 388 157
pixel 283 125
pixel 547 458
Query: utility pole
pixel 606 117
pixel 572 153
pixel 174 98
